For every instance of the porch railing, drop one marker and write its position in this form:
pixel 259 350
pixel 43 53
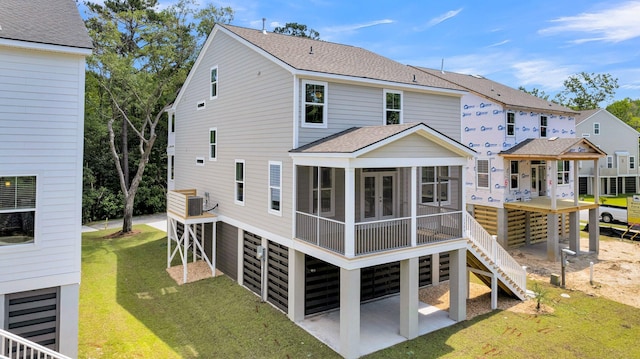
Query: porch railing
pixel 494 250
pixel 377 236
pixel 13 346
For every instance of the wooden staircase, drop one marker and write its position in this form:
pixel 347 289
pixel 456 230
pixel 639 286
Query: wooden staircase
pixel 492 264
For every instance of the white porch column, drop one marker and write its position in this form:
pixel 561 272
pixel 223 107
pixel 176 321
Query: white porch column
pixel 594 214
pixel 553 251
pixel 414 206
pixel 409 298
pixel 435 268
pixel 554 183
pixel 350 313
pixel 350 212
pixel 457 284
pixel 214 237
pixel 69 303
pixel 576 183
pixel 574 231
pixel 296 285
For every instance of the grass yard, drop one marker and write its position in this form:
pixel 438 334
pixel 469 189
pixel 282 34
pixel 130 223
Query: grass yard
pixel 130 307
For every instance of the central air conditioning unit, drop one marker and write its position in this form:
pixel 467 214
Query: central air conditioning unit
pixel 195 205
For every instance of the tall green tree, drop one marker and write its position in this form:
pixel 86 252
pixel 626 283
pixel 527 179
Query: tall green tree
pixel 295 29
pixel 586 91
pixel 535 92
pixel 627 110
pixel 141 58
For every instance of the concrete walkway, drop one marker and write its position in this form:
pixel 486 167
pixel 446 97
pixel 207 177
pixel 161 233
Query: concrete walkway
pixel 158 221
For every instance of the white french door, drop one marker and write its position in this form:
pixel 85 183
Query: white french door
pixel 378 197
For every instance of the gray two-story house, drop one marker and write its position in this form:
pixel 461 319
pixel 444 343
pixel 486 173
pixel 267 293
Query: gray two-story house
pixel 330 177
pixel 619 169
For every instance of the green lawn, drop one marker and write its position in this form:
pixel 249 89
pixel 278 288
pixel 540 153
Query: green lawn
pixel 129 307
pixel 619 200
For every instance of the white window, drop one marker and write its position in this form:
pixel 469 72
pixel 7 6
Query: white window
pixel 609 161
pixel 563 172
pixel 514 182
pixel 275 187
pixel 213 144
pixel 172 122
pixel 434 185
pixel 543 126
pixel 511 124
pixel 393 107
pixel 315 104
pixel 586 135
pixel 172 163
pixel 17 210
pixel 482 173
pixel 322 192
pixel 199 161
pixel 214 83
pixel 596 128
pixel 201 105
pixel 632 162
pixel 239 188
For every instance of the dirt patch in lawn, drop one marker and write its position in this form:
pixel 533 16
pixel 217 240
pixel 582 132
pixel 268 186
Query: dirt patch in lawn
pixel 616 276
pixel 195 271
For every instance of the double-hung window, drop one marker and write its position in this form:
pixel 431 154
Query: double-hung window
pixel 213 144
pixel 239 182
pixel 214 83
pixel 511 124
pixel 322 192
pixel 434 185
pixel 563 172
pixel 596 128
pixel 17 209
pixel 275 187
pixel 315 104
pixel 514 176
pixel 393 107
pixel 482 173
pixel 543 126
pixel 632 162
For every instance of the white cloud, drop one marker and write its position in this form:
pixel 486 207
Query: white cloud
pixel 615 24
pixel 541 73
pixel 438 19
pixel 354 27
pixel 500 43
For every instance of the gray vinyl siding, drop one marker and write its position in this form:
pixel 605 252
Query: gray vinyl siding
pixel 41 122
pixel 615 136
pixel 351 105
pixel 253 115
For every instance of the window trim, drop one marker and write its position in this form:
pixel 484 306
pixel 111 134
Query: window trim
pixel 213 145
pixel 564 174
pixel 241 181
pixel 436 184
pixel 172 166
pixel 487 173
pixel 386 109
pixel 271 186
pixel 596 128
pixel 323 104
pixel 514 175
pixel 545 126
pixel 215 82
pixel 632 162
pixel 511 125
pixel 609 162
pixel 34 209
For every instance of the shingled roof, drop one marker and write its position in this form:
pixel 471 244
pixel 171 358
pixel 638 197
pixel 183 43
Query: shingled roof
pixel 52 22
pixel 554 148
pixel 336 59
pixel 583 115
pixel 497 92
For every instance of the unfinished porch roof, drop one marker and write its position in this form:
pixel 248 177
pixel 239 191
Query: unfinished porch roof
pixel 554 148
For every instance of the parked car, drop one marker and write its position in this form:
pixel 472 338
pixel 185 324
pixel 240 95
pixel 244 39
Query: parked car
pixel 609 214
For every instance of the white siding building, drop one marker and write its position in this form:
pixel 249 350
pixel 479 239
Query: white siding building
pixel 42 72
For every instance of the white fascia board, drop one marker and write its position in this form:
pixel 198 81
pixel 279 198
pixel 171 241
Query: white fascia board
pixel 46 47
pixel 323 161
pixel 408 162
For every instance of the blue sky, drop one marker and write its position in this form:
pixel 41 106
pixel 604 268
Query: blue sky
pixel 533 44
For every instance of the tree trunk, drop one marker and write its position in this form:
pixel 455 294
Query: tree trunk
pixel 127 220
pixel 125 152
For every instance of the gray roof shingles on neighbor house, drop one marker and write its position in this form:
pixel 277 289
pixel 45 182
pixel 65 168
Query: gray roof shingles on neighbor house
pixel 51 22
pixel 330 58
pixel 497 92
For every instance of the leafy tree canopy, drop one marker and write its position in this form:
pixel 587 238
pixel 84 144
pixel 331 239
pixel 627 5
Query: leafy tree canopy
pixel 627 110
pixel 586 91
pixel 295 29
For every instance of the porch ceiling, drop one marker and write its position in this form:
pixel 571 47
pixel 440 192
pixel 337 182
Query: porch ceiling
pixel 543 205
